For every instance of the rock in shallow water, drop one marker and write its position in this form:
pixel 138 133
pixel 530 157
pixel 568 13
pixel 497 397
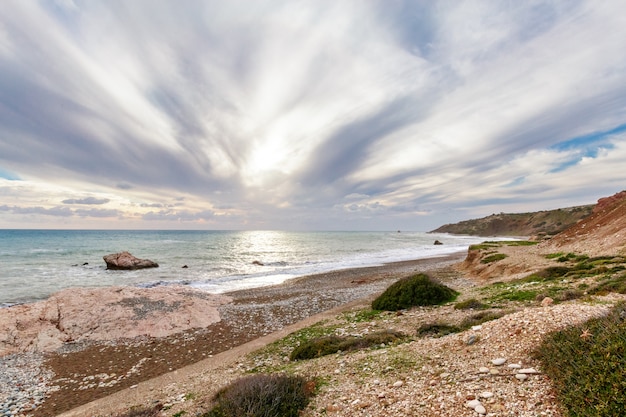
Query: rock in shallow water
pixel 126 261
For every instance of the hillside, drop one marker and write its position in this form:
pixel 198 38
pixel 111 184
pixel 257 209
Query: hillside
pixel 541 223
pixel 603 232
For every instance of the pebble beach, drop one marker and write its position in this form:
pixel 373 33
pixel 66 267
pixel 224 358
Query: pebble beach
pixel 50 384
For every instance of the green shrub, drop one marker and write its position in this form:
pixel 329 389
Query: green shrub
pixel 569 294
pixel 514 294
pixel 472 303
pixel 263 395
pixel 440 329
pixel 437 329
pixel 493 258
pixel 480 318
pixel 328 345
pixel 587 365
pixel 417 290
pixel 617 285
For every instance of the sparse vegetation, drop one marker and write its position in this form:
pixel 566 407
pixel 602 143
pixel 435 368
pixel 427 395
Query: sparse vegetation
pixel 362 315
pixel 437 329
pixel 613 284
pixel 559 282
pixel 587 365
pixel 263 395
pixel 417 290
pixel 470 304
pixel 152 411
pixel 493 258
pixel 480 318
pixel 440 329
pixel 328 345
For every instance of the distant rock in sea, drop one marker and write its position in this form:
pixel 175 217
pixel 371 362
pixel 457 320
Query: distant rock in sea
pixel 126 261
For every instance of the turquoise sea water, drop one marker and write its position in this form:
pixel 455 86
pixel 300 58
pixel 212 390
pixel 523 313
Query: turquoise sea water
pixel 37 263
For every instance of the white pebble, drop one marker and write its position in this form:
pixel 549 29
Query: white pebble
pixel 486 394
pixel 480 409
pixel 483 370
pixel 398 384
pixel 498 361
pixel 473 404
pixel 477 328
pixel 528 371
pixel 521 377
pixel 514 366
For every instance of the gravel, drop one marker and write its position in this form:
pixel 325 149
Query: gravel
pixel 23 383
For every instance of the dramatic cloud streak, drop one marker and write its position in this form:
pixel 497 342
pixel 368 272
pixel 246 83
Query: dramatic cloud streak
pixel 308 115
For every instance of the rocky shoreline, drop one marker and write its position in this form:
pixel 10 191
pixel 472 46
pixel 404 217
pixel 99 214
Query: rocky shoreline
pixel 79 371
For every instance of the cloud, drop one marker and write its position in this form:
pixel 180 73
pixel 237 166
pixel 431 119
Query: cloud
pixel 309 110
pixel 101 213
pixel 53 211
pixel 179 215
pixel 88 200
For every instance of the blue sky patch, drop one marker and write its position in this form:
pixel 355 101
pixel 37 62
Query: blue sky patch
pixel 594 140
pixel 8 175
pixel 586 146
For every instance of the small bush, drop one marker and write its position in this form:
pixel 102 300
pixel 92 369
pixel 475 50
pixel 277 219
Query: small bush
pixel 569 295
pixel 470 304
pixel 417 290
pixel 493 258
pixel 587 365
pixel 514 294
pixel 480 318
pixel 617 285
pixel 263 395
pixel 328 345
pixel 437 329
pixel 152 411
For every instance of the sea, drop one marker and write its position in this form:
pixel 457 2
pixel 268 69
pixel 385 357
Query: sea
pixel 36 263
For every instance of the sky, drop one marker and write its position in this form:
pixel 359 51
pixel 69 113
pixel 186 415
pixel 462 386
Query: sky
pixel 306 115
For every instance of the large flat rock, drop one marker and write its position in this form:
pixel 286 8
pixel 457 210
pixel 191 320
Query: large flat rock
pixel 97 314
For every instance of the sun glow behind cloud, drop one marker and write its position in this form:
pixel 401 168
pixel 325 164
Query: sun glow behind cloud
pixel 268 114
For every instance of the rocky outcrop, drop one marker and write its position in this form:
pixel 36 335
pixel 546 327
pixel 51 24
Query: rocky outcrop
pixel 97 314
pixel 126 261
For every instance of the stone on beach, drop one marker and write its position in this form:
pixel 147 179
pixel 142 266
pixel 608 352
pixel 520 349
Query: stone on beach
pixel 126 261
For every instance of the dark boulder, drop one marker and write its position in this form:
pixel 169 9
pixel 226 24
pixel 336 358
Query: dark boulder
pixel 438 243
pixel 126 261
